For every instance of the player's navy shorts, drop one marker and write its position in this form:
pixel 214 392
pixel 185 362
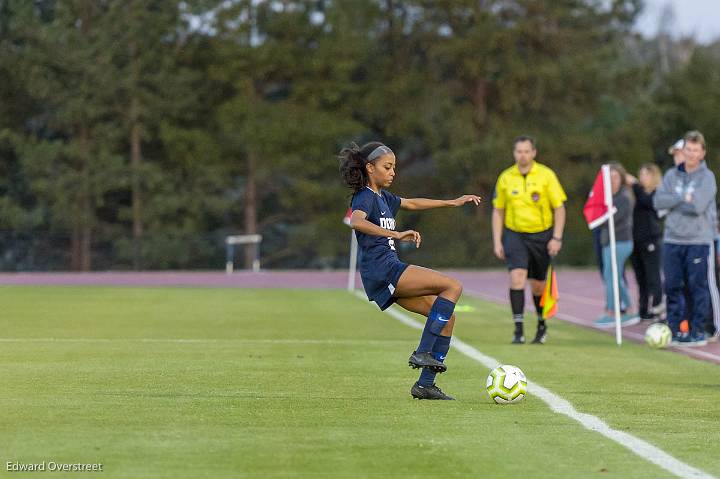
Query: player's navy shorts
pixel 380 283
pixel 527 251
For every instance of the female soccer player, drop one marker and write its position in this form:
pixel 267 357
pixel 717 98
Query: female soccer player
pixel 386 279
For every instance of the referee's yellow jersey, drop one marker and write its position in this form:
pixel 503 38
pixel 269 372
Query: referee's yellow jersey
pixel 528 200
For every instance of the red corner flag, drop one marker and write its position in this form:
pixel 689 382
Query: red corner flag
pixel 348 214
pixel 596 209
pixel 549 298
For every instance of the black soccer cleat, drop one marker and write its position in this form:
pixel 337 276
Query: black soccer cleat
pixel 429 392
pixel 518 338
pixel 426 360
pixel 541 335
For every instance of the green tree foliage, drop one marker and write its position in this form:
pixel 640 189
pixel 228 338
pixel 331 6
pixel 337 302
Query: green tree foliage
pixel 138 134
pixel 101 77
pixel 68 157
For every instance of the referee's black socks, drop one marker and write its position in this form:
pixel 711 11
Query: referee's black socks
pixel 539 310
pixel 517 305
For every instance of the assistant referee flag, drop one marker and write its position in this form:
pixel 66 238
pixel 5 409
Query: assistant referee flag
pixel 549 298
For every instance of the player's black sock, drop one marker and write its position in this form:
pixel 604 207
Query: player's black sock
pixel 517 305
pixel 440 350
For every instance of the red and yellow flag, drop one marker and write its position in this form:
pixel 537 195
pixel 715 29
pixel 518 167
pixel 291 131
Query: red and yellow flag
pixel 549 298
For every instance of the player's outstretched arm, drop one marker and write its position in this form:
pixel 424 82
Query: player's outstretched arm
pixel 417 204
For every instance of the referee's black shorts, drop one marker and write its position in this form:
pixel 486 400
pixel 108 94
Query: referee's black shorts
pixel 527 251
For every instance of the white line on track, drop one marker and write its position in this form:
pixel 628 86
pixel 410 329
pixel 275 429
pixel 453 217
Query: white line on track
pixel 640 337
pixel 559 405
pixel 575 320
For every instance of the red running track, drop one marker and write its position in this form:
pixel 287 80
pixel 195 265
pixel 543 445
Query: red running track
pixel 581 291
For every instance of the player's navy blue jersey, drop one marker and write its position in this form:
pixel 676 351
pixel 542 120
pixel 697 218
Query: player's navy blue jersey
pixel 376 252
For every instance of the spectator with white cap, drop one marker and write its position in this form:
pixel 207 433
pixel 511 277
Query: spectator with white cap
pixel 712 323
pixel 688 193
pixel 676 150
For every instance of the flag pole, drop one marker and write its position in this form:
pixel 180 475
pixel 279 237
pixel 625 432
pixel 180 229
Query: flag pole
pixel 353 261
pixel 613 252
pixel 352 267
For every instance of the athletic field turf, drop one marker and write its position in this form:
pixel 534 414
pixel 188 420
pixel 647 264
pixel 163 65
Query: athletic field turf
pixel 193 382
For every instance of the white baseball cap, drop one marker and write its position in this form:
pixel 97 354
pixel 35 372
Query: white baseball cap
pixel 678 145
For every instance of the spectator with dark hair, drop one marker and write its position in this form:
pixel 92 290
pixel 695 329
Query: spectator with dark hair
pixel 647 241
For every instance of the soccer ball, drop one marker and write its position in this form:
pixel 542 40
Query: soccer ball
pixel 658 335
pixel 506 384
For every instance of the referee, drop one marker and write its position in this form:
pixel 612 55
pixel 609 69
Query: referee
pixel 527 225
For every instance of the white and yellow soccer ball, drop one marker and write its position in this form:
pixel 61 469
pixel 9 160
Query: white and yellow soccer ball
pixel 658 335
pixel 506 384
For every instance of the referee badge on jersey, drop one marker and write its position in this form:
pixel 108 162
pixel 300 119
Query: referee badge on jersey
pixel 535 196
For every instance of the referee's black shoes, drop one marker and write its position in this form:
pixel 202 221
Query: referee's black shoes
pixel 518 338
pixel 426 360
pixel 541 334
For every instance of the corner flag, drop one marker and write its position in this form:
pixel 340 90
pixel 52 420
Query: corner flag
pixel 352 267
pixel 549 298
pixel 597 209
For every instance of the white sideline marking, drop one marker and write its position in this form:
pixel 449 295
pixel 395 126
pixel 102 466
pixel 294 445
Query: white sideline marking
pixel 559 405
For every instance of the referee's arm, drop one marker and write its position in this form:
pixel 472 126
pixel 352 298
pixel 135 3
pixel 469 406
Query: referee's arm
pixel 498 216
pixel 557 197
pixel 498 220
pixel 555 243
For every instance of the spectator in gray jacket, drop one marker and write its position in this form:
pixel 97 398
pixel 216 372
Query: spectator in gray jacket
pixel 688 193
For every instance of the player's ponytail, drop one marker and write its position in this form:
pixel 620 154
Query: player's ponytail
pixel 352 164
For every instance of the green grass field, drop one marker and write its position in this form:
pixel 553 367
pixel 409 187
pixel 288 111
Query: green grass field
pixel 301 383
